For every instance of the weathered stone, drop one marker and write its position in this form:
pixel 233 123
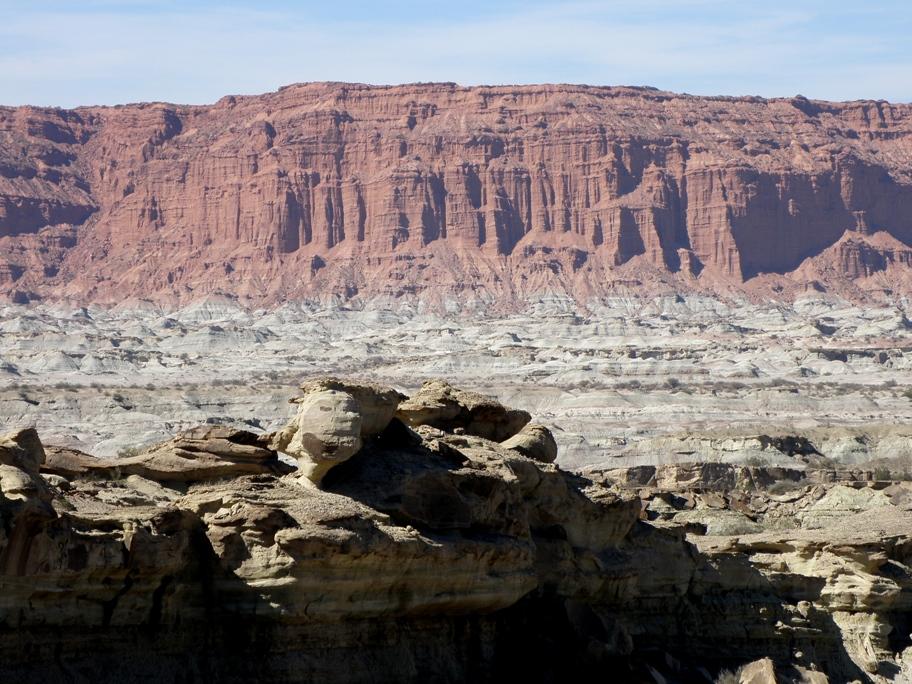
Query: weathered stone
pixel 333 421
pixel 424 544
pixel 203 453
pixel 15 483
pixel 71 463
pixel 325 432
pixel 439 405
pixel 376 404
pixel 22 449
pixel 534 441
pixel 759 672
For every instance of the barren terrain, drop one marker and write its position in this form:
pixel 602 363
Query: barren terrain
pixel 631 382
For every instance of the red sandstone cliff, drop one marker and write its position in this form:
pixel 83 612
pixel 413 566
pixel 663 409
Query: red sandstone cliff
pixel 499 192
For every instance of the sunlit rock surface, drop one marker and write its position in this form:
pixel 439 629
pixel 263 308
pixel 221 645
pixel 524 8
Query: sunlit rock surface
pixel 435 554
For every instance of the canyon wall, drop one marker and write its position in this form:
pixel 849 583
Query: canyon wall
pixel 341 190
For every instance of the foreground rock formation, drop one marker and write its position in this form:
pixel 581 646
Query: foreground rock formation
pixel 433 552
pixel 344 190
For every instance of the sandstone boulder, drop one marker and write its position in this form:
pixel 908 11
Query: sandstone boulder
pixel 71 463
pixel 376 404
pixel 534 441
pixel 15 483
pixel 333 421
pixel 759 672
pixel 22 449
pixel 207 452
pixel 204 453
pixel 21 456
pixel 444 407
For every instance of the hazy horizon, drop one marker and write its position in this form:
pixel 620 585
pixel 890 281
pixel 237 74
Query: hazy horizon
pixel 643 86
pixel 100 52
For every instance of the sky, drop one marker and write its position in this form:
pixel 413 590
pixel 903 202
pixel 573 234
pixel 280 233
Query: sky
pixel 84 52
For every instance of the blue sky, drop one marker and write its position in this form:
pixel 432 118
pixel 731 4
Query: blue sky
pixel 81 52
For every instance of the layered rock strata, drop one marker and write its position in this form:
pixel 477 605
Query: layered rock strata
pixel 343 190
pixel 432 553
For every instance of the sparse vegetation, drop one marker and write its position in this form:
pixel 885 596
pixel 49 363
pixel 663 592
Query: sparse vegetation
pixel 222 382
pixel 27 399
pixel 784 487
pixel 122 401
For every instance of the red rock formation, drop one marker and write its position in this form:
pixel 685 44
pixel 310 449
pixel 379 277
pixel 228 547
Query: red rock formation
pixel 339 189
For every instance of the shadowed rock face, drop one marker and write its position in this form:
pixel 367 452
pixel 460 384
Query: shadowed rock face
pixel 434 554
pixel 342 190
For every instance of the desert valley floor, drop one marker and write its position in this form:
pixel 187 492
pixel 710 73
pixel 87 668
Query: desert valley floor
pixel 628 382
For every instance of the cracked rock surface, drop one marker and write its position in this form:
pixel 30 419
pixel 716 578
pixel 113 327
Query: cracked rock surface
pixel 434 553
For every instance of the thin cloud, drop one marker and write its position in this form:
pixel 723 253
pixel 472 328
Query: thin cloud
pixel 104 52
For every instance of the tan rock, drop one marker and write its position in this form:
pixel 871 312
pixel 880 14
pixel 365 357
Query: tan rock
pixel 56 480
pixel 22 449
pixel 203 453
pixel 426 543
pixel 759 672
pixel 442 406
pixel 806 676
pixel 376 404
pixel 841 501
pixel 70 463
pixel 15 483
pixel 325 432
pixel 334 419
pixel 681 476
pixel 534 441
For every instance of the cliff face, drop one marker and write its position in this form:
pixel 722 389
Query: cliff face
pixel 336 189
pixel 429 552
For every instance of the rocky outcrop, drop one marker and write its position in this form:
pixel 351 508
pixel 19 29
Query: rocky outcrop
pixel 333 421
pixel 22 449
pixel 201 453
pixel 534 441
pixel 826 565
pixel 329 189
pixel 21 456
pixel 432 553
pixel 441 406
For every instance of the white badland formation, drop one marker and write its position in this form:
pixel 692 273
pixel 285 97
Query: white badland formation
pixel 625 382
